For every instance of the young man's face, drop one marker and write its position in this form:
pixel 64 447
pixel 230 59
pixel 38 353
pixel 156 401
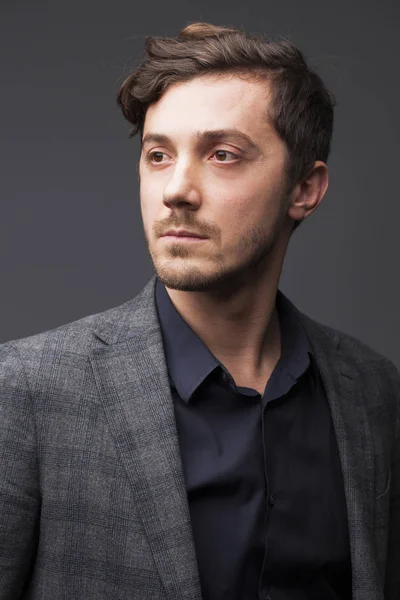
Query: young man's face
pixel 212 164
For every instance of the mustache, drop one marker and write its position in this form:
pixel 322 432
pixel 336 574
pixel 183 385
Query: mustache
pixel 203 229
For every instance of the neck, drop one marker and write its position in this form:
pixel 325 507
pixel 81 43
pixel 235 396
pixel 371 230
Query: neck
pixel 239 326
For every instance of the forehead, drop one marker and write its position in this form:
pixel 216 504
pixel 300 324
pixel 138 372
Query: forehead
pixel 212 102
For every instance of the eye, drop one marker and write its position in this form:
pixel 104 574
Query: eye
pixel 156 156
pixel 222 155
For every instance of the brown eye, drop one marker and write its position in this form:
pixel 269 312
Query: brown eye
pixel 223 155
pixel 157 156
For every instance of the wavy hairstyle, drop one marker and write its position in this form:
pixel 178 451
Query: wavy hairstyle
pixel 301 107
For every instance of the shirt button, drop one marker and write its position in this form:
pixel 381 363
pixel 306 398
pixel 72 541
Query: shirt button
pixel 271 502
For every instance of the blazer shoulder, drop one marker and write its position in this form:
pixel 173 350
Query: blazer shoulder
pixel 63 353
pixel 74 340
pixel 352 350
pixel 56 358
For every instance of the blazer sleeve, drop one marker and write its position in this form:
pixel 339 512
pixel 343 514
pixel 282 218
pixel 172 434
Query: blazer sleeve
pixel 392 579
pixel 19 481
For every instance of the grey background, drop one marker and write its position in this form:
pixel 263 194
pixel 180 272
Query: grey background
pixel 71 240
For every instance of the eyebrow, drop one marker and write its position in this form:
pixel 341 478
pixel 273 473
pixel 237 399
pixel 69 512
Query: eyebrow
pixel 215 135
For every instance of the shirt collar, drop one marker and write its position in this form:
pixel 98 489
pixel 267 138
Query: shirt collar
pixel 189 361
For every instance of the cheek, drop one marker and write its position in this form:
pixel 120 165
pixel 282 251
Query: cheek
pixel 244 209
pixel 148 203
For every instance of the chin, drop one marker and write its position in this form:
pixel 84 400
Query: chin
pixel 186 280
pixel 191 278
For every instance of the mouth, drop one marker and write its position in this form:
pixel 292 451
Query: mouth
pixel 183 236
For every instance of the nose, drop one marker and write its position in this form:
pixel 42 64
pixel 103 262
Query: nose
pixel 183 187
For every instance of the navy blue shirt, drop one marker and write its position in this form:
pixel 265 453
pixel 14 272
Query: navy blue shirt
pixel 262 472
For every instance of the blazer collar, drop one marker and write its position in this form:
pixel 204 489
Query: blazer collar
pixel 133 388
pixel 136 317
pixel 346 394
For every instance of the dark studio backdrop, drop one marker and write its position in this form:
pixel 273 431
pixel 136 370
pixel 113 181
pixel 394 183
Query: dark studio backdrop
pixel 71 240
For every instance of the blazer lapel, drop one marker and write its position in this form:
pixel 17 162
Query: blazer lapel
pixel 345 393
pixel 133 384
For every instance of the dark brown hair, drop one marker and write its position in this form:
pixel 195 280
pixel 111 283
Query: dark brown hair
pixel 301 107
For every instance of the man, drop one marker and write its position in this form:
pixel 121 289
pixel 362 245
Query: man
pixel 206 439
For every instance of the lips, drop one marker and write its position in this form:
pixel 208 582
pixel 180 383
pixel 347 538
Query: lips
pixel 183 233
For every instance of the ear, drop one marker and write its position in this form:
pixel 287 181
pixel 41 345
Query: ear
pixel 308 193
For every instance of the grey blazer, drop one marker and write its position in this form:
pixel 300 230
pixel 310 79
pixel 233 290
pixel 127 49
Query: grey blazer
pixel 93 504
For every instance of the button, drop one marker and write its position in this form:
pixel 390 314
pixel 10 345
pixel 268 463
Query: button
pixel 271 502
